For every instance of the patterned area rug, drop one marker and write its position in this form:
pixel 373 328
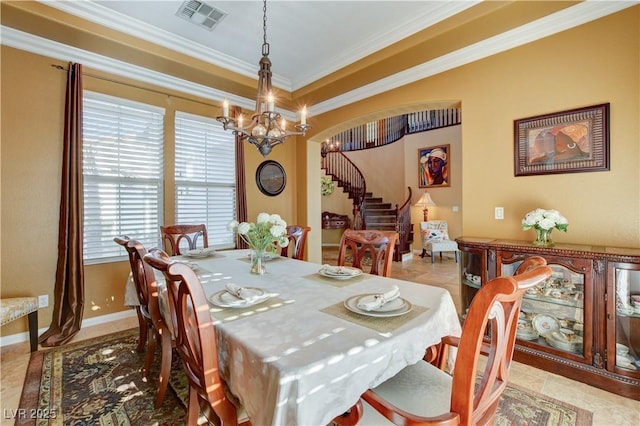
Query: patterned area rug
pixel 98 382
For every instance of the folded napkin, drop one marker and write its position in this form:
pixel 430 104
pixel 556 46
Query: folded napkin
pixel 378 300
pixel 339 270
pixel 245 294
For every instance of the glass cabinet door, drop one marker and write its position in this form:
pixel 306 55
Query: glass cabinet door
pixel 473 266
pixel 624 309
pixel 553 313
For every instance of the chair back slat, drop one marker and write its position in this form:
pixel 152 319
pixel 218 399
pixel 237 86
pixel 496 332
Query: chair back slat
pixel 372 245
pixel 180 238
pixel 491 322
pixel 195 338
pixel 144 281
pixel 297 236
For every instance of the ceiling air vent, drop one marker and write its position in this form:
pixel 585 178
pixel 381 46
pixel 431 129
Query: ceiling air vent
pixel 200 13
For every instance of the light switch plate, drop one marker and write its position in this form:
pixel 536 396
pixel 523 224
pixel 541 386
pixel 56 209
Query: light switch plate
pixel 499 213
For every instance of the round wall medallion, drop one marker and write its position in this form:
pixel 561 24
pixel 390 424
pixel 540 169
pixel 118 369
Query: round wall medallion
pixel 271 178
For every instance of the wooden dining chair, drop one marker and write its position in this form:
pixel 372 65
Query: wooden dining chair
pixel 174 236
pixel 196 343
pixel 530 263
pixel 151 322
pixel 367 245
pixel 425 394
pixel 297 239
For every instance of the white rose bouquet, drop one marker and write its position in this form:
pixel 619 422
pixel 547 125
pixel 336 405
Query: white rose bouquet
pixel 268 231
pixel 544 220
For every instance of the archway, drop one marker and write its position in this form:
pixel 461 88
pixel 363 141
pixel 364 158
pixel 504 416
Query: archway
pixel 313 172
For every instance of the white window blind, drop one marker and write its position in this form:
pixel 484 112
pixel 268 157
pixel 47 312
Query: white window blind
pixel 123 174
pixel 205 176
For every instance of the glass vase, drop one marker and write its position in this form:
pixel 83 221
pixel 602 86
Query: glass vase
pixel 543 238
pixel 257 262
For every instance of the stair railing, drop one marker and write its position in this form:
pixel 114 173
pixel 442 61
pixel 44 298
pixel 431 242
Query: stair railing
pixel 388 130
pixel 404 229
pixel 350 178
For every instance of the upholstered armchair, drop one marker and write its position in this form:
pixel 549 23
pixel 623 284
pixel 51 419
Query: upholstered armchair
pixel 435 239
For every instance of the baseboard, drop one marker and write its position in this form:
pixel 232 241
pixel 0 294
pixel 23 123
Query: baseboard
pixel 103 319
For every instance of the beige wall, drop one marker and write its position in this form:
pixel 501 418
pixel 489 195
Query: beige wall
pixel 383 169
pixel 591 64
pixel 32 112
pixel 595 63
pixel 446 198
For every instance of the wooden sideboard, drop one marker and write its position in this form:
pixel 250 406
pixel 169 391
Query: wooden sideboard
pixel 581 323
pixel 334 221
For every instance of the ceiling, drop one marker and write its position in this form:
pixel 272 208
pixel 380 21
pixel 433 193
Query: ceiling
pixel 308 39
pixel 313 40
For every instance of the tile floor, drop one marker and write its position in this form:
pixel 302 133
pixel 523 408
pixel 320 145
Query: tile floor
pixel 609 409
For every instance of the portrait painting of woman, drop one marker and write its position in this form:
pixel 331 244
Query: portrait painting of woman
pixel 433 166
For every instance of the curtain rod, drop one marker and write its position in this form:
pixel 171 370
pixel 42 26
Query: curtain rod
pixel 60 67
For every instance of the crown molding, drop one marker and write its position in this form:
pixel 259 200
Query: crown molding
pixel 109 18
pixel 45 47
pixel 379 41
pixel 568 18
pixel 571 17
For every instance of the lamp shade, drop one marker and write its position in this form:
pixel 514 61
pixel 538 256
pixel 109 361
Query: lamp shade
pixel 425 200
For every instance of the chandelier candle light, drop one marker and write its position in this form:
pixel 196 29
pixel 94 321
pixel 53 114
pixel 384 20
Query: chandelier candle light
pixel 267 127
pixel 268 232
pixel 544 221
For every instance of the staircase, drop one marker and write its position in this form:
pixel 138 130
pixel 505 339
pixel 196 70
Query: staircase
pixel 370 212
pixel 378 214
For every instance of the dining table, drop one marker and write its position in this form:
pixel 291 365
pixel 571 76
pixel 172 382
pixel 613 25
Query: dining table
pixel 306 352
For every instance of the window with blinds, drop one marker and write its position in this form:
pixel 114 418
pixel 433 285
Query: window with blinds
pixel 205 176
pixel 123 174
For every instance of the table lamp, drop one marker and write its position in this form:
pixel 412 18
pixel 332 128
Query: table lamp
pixel 425 201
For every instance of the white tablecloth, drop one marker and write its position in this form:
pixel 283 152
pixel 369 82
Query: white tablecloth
pixel 291 364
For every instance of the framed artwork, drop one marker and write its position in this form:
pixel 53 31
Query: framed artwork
pixel 433 166
pixel 271 178
pixel 570 141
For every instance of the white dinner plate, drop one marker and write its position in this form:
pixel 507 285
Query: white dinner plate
pixel 545 324
pixel 558 341
pixel 402 306
pixel 348 273
pixel 224 299
pixel 200 253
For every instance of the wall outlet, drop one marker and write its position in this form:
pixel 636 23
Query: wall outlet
pixel 499 213
pixel 455 208
pixel 43 301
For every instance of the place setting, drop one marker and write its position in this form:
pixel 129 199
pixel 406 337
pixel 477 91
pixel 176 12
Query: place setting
pixel 383 311
pixel 339 272
pixel 236 300
pixel 338 276
pixel 200 253
pixel 388 304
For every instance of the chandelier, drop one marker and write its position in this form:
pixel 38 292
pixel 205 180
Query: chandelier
pixel 267 127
